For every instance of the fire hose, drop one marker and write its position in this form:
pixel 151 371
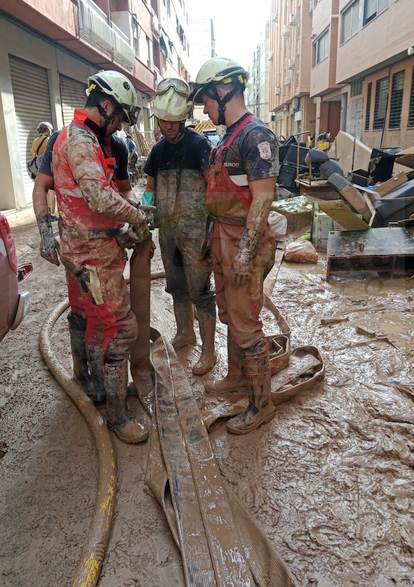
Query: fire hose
pixel 173 405
pixel 89 568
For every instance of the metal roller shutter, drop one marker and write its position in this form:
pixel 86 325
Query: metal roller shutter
pixel 32 105
pixel 72 95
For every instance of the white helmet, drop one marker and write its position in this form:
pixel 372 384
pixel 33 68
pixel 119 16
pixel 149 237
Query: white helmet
pixel 118 86
pixel 218 70
pixel 44 126
pixel 171 100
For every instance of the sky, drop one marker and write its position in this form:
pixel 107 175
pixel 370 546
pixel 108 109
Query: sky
pixel 238 25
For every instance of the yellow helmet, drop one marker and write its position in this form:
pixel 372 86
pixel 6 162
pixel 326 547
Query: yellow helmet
pixel 171 101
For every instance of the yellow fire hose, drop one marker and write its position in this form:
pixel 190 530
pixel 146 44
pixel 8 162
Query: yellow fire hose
pixel 89 568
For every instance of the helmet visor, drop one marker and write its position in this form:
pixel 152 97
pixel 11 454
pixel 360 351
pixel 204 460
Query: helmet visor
pixel 180 87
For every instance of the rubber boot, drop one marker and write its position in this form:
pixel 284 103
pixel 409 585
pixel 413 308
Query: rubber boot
pixel 77 327
pixel 260 409
pixel 96 369
pixel 143 388
pixel 126 429
pixel 234 380
pixel 184 319
pixel 208 356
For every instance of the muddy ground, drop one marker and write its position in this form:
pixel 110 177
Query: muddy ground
pixel 330 480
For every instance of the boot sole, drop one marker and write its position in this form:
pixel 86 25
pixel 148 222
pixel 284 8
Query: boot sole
pixel 247 429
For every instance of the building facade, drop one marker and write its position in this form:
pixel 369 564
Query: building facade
pixel 360 84
pixel 289 68
pixel 257 90
pixel 49 49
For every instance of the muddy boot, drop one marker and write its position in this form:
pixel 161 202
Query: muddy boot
pixel 77 327
pixel 143 388
pixel 96 387
pixel 184 319
pixel 126 429
pixel 208 357
pixel 260 409
pixel 234 381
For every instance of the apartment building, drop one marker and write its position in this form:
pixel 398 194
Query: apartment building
pixel 362 71
pixel 257 90
pixel 49 49
pixel 173 38
pixel 289 67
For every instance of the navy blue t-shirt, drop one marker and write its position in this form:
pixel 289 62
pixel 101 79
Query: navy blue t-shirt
pixel 191 152
pixel 118 148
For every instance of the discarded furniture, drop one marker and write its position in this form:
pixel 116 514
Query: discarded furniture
pixel 387 251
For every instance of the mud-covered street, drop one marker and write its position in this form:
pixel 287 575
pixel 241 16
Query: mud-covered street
pixel 330 480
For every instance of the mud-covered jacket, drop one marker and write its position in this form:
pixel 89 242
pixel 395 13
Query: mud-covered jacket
pixel 83 181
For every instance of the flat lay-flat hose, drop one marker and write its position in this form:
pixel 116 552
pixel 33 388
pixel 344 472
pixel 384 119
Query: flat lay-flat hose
pixel 89 568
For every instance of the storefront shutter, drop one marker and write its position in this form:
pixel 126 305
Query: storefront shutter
pixel 32 105
pixel 72 95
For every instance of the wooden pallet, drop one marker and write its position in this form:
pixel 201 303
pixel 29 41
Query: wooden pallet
pixel 385 251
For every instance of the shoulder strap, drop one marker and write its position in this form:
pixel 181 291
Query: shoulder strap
pixel 238 130
pixel 40 144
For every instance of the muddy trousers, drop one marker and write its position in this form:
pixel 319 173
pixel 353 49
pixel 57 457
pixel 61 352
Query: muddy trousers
pixel 99 291
pixel 239 306
pixel 188 276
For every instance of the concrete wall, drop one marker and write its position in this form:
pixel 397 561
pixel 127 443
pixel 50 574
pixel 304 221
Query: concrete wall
pixel 389 34
pixel 323 76
pixel 21 43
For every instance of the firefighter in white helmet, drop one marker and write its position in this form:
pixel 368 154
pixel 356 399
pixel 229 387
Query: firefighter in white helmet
pixel 91 215
pixel 241 188
pixel 177 181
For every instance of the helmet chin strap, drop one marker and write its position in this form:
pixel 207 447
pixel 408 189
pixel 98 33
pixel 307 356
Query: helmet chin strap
pixel 108 118
pixel 213 93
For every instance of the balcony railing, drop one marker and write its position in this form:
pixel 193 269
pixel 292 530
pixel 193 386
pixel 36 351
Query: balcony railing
pixel 97 32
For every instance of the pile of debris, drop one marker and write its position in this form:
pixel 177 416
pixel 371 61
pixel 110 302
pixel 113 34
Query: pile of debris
pixel 363 204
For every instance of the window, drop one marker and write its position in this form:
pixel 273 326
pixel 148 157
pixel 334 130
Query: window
pixel 321 48
pixel 411 109
pixel 356 88
pixel 368 110
pixel 381 99
pixel 350 21
pixel 397 92
pixel 373 7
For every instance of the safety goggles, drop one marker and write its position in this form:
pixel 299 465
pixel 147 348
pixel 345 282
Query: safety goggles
pixel 179 86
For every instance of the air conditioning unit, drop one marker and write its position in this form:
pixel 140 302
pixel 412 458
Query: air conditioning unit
pixel 277 91
pixel 292 19
pixel 285 30
pixel 286 80
pixel 274 18
pixel 291 63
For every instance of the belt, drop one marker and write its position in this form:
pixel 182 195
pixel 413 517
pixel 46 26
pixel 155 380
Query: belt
pixel 89 233
pixel 233 220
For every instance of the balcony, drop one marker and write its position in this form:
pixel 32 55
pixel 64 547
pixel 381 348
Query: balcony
pixel 109 40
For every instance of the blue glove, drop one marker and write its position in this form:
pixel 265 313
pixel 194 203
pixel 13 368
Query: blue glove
pixel 148 199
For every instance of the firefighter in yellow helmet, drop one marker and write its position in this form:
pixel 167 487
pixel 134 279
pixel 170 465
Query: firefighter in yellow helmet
pixel 177 182
pixel 241 188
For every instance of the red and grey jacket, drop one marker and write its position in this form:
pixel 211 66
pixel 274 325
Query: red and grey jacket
pixel 86 194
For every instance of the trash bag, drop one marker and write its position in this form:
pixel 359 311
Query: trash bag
pixel 300 251
pixel 278 224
